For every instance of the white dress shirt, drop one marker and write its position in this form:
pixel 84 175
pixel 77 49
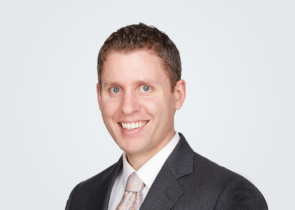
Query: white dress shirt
pixel 147 173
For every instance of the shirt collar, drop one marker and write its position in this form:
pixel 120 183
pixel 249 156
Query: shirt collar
pixel 149 171
pixel 127 170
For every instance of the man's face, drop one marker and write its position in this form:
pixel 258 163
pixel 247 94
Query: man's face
pixel 136 102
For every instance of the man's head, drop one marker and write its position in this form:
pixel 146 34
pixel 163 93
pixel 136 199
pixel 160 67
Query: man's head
pixel 138 91
pixel 141 36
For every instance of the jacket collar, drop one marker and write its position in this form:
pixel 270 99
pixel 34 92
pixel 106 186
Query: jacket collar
pixel 165 190
pixel 181 160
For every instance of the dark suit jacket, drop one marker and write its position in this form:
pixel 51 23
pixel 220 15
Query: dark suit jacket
pixel 186 181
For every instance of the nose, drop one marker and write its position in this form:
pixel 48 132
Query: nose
pixel 130 103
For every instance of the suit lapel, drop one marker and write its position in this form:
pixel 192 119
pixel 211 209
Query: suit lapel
pixel 166 190
pixel 99 199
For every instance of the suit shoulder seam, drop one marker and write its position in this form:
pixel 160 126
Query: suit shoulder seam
pixel 225 188
pixel 72 193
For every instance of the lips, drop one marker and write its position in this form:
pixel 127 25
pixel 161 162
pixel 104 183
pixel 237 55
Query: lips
pixel 133 125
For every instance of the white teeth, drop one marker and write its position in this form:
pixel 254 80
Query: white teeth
pixel 131 126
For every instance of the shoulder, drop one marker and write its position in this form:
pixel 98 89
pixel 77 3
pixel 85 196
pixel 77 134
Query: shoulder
pixel 93 182
pixel 81 192
pixel 212 172
pixel 241 194
pixel 225 188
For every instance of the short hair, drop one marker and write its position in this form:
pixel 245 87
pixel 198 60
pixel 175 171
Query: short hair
pixel 141 36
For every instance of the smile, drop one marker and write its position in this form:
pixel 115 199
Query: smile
pixel 133 125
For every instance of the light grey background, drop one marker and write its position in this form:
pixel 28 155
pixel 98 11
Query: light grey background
pixel 238 62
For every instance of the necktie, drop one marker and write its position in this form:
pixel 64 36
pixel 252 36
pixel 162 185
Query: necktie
pixel 132 196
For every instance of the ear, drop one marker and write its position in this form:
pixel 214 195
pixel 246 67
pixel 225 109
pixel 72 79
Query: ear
pixel 179 93
pixel 98 95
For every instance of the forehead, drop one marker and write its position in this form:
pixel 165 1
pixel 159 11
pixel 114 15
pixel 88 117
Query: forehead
pixel 128 67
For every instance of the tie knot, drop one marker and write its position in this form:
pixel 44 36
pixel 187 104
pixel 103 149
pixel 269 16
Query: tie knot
pixel 134 183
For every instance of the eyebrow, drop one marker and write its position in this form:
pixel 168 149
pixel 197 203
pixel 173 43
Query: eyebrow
pixel 144 81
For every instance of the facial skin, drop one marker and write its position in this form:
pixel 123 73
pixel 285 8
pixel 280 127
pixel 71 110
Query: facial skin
pixel 136 88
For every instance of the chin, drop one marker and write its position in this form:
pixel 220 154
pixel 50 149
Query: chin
pixel 132 148
pixel 133 145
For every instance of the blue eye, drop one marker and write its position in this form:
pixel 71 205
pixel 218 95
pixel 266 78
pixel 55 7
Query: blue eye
pixel 115 90
pixel 146 88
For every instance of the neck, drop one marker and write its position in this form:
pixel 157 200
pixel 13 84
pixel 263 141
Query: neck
pixel 138 160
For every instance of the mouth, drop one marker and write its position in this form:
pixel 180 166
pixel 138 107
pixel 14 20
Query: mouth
pixel 133 125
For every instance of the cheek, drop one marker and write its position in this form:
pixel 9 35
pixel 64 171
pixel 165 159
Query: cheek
pixel 167 108
pixel 109 108
pixel 157 107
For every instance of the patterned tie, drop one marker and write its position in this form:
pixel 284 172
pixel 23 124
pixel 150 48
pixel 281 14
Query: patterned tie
pixel 132 199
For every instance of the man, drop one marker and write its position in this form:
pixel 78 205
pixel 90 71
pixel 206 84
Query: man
pixel 139 90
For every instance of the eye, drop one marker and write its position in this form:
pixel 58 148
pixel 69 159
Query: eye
pixel 145 88
pixel 115 90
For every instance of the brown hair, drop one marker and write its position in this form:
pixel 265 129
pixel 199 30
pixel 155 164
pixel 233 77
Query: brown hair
pixel 141 36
